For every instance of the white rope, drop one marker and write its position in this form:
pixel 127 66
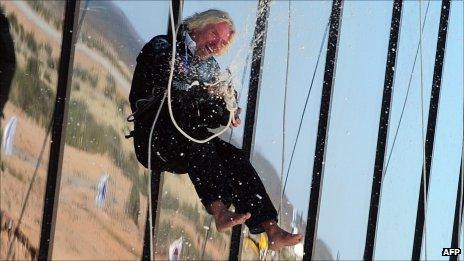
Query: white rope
pixel 150 216
pixel 424 176
pixel 171 72
pixel 305 106
pixel 461 185
pixel 406 97
pixel 284 120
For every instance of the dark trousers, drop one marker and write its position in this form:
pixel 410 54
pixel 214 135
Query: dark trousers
pixel 220 171
pixel 217 169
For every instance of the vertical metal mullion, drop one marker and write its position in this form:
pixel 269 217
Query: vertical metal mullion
pixel 156 187
pixel 259 40
pixel 177 7
pixel 431 125
pixel 255 75
pixel 383 130
pixel 58 131
pixel 457 216
pixel 323 127
pixel 156 180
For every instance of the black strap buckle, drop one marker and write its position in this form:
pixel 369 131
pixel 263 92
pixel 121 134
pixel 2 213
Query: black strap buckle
pixel 130 135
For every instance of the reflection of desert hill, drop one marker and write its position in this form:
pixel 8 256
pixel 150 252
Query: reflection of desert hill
pixel 322 251
pixel 182 214
pixel 106 23
pixel 111 23
pixel 95 142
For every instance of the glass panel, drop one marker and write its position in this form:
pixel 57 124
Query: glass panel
pixel 305 43
pixel 183 221
pixel 30 51
pixel 102 208
pixel 181 214
pixel 354 120
pixel 400 188
pixel 448 142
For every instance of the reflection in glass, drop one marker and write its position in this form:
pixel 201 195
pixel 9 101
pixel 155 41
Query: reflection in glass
pixel 101 213
pixel 354 120
pixel 400 190
pixel 30 49
pixel 184 224
pixel 448 141
pixel 305 44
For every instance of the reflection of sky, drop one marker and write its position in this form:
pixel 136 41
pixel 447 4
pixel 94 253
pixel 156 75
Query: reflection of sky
pixel 354 114
pixel 353 128
pixel 149 18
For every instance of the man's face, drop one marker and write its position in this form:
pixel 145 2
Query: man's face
pixel 212 39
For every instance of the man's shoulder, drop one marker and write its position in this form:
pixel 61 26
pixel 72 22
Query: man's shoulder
pixel 158 44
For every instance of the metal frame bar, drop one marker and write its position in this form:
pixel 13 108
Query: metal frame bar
pixel 255 75
pixel 457 215
pixel 156 188
pixel 58 131
pixel 178 6
pixel 156 178
pixel 431 125
pixel 252 103
pixel 323 127
pixel 384 124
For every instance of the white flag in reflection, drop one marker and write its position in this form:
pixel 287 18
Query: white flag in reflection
pixel 102 190
pixel 299 250
pixel 8 136
pixel 175 249
pixel 294 222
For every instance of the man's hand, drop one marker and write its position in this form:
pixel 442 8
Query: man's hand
pixel 236 120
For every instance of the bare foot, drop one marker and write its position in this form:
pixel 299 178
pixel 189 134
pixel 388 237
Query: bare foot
pixel 279 238
pixel 224 218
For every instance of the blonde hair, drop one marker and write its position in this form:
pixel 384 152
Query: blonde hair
pixel 211 16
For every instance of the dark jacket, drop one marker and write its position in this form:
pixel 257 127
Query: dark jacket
pixel 7 60
pixel 194 109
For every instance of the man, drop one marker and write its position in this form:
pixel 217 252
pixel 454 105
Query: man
pixel 220 173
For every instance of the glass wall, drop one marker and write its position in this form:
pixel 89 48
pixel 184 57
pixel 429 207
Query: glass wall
pixel 308 23
pixel 103 199
pixel 30 52
pixel 183 223
pixel 353 127
pixel 182 219
pixel 400 189
pixel 448 142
